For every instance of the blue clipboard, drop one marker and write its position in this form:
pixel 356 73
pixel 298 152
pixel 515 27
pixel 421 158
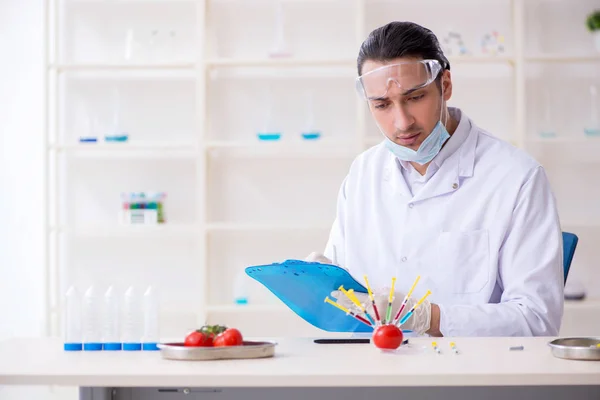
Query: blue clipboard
pixel 303 286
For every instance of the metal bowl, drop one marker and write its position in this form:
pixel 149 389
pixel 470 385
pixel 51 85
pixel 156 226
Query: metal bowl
pixel 177 351
pixel 576 348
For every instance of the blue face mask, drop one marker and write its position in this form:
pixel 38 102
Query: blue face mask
pixel 430 147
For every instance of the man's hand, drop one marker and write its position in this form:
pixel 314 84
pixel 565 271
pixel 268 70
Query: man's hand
pixel 434 328
pixel 425 319
pixel 419 322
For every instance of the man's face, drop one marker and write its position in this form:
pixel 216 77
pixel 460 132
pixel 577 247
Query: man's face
pixel 407 116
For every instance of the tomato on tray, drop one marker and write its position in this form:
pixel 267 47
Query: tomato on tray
pixel 229 337
pixel 198 339
pixel 214 336
pixel 387 337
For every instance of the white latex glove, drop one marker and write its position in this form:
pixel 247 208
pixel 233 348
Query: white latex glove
pixel 318 257
pixel 419 322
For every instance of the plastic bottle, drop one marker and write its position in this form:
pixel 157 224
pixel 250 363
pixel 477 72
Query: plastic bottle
pixel 92 321
pixel 151 310
pixel 133 320
pixel 110 321
pixel 72 329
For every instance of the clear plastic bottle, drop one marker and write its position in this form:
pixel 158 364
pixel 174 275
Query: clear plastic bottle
pixel 133 320
pixel 110 322
pixel 151 330
pixel 92 321
pixel 72 328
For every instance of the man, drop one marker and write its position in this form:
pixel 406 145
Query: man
pixel 442 199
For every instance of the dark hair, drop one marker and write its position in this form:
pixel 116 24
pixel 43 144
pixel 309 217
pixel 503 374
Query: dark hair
pixel 401 39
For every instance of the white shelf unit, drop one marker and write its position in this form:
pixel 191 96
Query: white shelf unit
pixel 225 62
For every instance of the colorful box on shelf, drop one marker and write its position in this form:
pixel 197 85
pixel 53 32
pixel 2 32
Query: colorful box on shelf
pixel 143 208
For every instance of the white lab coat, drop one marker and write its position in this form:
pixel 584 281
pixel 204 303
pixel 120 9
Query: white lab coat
pixel 483 233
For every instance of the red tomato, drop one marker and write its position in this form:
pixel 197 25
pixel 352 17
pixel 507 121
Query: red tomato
pixel 231 337
pixel 198 339
pixel 387 337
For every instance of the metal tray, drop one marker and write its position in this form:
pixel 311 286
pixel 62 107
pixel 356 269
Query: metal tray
pixel 177 351
pixel 576 348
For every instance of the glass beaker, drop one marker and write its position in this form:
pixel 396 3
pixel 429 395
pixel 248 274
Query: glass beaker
pixel 593 126
pixel 548 124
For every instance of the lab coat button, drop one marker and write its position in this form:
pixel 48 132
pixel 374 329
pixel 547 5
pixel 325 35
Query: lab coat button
pixel 455 186
pixel 410 205
pixel 404 259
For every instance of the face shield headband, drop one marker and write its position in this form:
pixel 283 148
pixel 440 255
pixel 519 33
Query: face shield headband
pixel 408 76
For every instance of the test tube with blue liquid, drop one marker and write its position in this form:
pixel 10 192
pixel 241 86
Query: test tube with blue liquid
pixel 548 126
pixel 118 134
pixel 240 289
pixel 310 132
pixel 593 127
pixel 87 126
pixel 267 132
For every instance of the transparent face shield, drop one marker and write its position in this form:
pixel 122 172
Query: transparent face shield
pixel 408 76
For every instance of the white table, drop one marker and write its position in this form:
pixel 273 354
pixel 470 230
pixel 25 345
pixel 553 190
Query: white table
pixel 302 369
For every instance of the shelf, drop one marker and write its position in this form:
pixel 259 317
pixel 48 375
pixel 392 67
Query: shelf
pixel 587 304
pixel 581 224
pixel 154 149
pixel 481 60
pixel 124 231
pixel 562 58
pixel 123 67
pixel 174 229
pixel 315 149
pixel 339 68
pixel 562 140
pixel 236 227
pixel 249 308
pixel 281 62
pixel 144 2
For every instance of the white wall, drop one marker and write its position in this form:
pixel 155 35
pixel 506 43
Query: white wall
pixel 21 177
pixel 21 168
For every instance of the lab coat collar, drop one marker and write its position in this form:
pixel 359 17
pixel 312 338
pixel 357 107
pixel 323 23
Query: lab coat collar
pixel 447 179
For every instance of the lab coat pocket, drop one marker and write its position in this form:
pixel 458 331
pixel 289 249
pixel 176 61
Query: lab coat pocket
pixel 464 260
